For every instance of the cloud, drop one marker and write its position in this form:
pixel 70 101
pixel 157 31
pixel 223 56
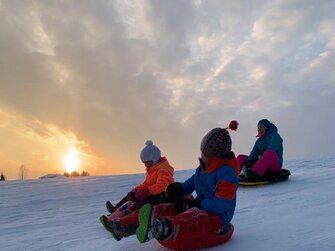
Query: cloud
pixel 117 73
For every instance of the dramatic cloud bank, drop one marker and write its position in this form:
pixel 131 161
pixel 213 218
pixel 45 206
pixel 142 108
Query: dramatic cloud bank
pixel 107 75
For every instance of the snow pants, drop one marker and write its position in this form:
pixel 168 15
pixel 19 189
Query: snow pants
pixel 268 162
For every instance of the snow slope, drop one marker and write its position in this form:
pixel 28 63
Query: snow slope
pixel 62 213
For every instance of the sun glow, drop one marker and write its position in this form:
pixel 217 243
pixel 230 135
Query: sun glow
pixel 71 161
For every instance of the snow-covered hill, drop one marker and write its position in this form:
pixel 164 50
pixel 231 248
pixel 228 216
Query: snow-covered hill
pixel 62 214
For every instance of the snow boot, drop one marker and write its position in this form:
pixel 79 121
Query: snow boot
pixel 111 227
pixel 251 175
pixel 150 227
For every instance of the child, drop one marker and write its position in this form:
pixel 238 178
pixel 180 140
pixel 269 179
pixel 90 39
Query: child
pixel 267 154
pixel 197 223
pixel 159 174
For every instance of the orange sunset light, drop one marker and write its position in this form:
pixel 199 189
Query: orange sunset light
pixel 71 161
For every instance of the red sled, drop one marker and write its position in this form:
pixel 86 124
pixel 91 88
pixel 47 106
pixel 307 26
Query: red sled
pixel 125 209
pixel 207 240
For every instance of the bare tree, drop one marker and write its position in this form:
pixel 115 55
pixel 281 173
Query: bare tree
pixel 84 173
pixel 75 174
pixel 23 171
pixel 2 177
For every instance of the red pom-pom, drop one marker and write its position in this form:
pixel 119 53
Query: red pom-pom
pixel 233 125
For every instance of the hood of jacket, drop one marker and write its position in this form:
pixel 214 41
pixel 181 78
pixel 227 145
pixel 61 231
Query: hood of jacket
pixel 163 163
pixel 214 163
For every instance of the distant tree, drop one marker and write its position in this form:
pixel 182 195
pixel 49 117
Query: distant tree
pixel 84 173
pixel 23 171
pixel 75 174
pixel 2 177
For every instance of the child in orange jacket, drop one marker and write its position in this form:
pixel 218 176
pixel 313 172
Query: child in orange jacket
pixel 159 174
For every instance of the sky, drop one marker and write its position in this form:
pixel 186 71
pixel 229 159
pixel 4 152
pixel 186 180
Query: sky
pixel 62 213
pixel 99 78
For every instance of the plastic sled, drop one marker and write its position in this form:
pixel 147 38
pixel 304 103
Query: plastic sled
pixel 207 241
pixel 282 176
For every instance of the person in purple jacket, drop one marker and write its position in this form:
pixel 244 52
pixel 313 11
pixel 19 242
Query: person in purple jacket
pixel 266 157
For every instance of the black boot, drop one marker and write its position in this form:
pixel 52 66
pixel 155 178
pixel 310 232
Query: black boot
pixel 254 177
pixel 110 207
pixel 163 228
pixel 112 227
pixel 246 172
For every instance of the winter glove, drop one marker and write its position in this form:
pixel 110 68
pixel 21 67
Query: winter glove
pixel 185 203
pixel 141 194
pixel 131 195
pixel 249 163
pixel 174 192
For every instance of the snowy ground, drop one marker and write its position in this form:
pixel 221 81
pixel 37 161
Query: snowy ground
pixel 62 213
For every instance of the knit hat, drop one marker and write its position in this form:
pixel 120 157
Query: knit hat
pixel 264 122
pixel 216 143
pixel 150 152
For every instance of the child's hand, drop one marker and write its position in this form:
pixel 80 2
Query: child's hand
pixel 131 195
pixel 249 163
pixel 141 194
pixel 174 191
pixel 185 203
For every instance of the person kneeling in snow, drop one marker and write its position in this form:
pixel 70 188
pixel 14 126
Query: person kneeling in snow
pixel 159 174
pixel 195 223
pixel 266 157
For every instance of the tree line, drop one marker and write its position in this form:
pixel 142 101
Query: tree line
pixel 23 173
pixel 2 177
pixel 76 174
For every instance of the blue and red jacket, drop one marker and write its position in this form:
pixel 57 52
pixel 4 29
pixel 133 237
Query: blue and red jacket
pixel 216 185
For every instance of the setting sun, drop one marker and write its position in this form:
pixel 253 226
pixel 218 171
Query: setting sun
pixel 71 161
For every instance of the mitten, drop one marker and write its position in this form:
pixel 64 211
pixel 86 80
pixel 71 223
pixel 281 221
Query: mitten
pixel 174 191
pixel 131 195
pixel 249 163
pixel 185 203
pixel 141 194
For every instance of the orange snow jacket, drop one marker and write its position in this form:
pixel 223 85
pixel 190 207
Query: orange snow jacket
pixel 158 177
